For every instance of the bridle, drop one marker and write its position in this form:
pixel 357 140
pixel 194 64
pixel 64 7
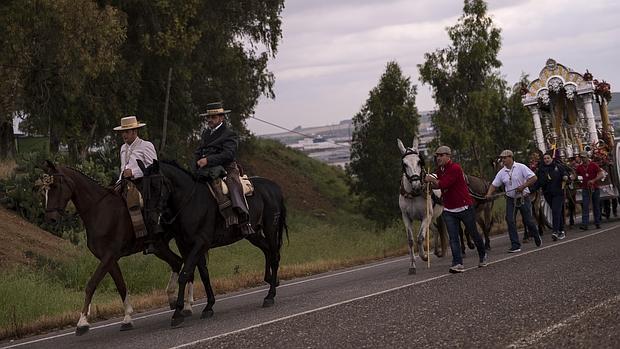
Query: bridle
pixel 47 181
pixel 414 177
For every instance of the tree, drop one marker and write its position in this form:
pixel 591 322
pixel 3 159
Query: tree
pixel 388 114
pixel 467 87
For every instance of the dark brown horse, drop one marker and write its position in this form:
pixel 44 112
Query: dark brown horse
pixel 187 207
pixel 484 210
pixel 109 231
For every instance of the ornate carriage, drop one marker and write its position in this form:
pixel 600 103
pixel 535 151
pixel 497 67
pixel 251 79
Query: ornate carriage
pixel 561 102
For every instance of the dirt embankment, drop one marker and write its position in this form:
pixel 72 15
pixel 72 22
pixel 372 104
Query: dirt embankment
pixel 23 243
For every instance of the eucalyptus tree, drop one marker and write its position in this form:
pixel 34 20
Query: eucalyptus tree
pixel 467 88
pixel 388 114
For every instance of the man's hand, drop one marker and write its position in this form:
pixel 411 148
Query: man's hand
pixel 202 162
pixel 127 173
pixel 519 189
pixel 590 184
pixel 429 178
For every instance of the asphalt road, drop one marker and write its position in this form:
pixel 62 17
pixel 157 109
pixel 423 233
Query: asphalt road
pixel 563 294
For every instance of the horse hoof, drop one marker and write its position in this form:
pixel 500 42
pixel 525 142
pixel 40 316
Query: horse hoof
pixel 412 271
pixel 206 314
pixel 439 254
pixel 127 326
pixel 267 302
pixel 424 258
pixel 177 322
pixel 81 330
pixel 186 313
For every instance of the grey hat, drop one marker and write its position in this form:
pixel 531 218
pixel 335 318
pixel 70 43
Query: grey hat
pixel 443 150
pixel 506 152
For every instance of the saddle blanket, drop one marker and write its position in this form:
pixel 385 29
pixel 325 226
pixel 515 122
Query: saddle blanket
pixel 248 187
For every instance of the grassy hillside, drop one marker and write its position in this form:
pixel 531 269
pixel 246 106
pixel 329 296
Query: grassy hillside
pixel 325 234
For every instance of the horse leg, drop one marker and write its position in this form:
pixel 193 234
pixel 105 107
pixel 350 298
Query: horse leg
pixel 207 312
pixel 462 236
pixel 485 220
pixel 186 275
pixel 442 233
pixel 176 263
pixel 83 326
pixel 421 237
pixel 121 287
pixel 409 230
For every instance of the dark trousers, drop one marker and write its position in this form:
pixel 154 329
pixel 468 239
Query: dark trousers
pixel 523 205
pixel 557 208
pixel 453 223
pixel 594 196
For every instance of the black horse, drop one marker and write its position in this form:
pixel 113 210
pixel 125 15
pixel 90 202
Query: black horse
pixel 185 206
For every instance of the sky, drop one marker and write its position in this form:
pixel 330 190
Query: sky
pixel 333 52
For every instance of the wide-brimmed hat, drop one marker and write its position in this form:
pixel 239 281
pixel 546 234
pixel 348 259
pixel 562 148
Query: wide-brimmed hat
pixel 216 108
pixel 129 123
pixel 444 149
pixel 506 152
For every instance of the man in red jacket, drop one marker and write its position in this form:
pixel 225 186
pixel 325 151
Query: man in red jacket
pixel 458 207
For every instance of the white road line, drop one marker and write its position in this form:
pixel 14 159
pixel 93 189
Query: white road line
pixel 203 340
pixel 305 281
pixel 536 337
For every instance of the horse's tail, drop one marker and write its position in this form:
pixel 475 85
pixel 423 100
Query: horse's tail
pixel 282 226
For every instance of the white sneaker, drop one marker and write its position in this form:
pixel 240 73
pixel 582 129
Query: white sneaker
pixel 459 268
pixel 562 235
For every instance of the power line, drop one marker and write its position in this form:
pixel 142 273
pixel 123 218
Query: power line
pixel 296 132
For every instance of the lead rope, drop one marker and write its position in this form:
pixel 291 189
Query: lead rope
pixel 429 215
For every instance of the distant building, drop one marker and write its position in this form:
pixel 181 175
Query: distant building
pixel 331 144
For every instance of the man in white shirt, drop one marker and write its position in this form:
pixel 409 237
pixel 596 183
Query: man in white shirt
pixel 134 148
pixel 516 178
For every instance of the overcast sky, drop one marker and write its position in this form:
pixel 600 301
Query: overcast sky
pixel 333 52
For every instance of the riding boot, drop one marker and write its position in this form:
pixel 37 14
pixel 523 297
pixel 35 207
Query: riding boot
pixel 223 203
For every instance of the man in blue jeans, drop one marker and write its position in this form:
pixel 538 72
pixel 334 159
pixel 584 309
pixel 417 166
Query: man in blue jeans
pixel 458 207
pixel 590 174
pixel 516 178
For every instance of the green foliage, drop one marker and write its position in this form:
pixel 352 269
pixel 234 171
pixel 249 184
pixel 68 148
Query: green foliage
pixel 389 113
pixel 474 111
pixel 74 67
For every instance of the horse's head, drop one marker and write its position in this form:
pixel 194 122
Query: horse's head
pixel 413 164
pixel 155 189
pixel 57 189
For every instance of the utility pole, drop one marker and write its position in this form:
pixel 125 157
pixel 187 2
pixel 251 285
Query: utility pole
pixel 165 127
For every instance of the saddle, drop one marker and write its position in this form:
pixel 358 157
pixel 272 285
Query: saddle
pixel 246 184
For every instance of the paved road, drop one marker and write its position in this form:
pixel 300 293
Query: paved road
pixel 563 294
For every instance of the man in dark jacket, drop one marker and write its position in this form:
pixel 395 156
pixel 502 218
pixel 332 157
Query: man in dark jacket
pixel 551 177
pixel 215 158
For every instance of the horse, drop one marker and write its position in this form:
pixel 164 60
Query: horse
pixel 412 203
pixel 188 207
pixel 109 233
pixel 484 211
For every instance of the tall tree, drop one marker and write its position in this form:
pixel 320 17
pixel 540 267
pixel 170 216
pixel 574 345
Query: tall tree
pixel 388 114
pixel 467 87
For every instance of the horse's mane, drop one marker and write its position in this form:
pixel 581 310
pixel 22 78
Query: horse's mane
pixel 176 165
pixel 90 178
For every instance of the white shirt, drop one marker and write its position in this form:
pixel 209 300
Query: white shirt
pixel 139 149
pixel 512 178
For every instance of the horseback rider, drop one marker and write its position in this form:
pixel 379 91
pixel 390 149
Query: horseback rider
pixel 215 159
pixel 135 148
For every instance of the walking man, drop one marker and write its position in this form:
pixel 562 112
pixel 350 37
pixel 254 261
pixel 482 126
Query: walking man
pixel 590 174
pixel 516 178
pixel 551 178
pixel 458 206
